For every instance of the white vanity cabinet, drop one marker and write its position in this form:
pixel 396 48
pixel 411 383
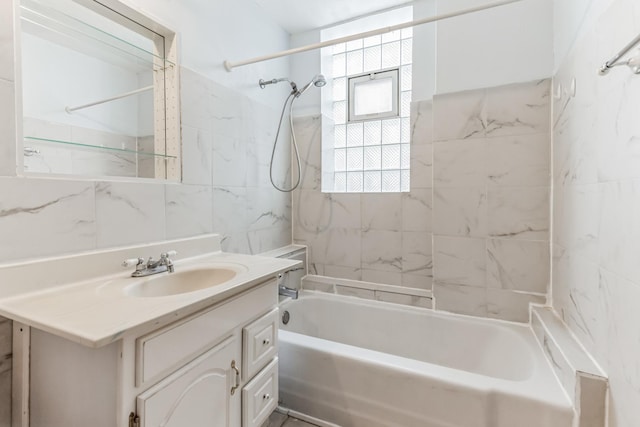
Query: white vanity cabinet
pixel 216 367
pixel 196 395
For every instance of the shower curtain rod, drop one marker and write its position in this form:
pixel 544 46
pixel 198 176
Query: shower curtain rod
pixel 615 61
pixel 103 101
pixel 231 65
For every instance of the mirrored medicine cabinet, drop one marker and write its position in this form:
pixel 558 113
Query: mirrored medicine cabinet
pixel 99 91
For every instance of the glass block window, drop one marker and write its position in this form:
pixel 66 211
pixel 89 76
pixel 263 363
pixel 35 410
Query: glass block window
pixel 371 99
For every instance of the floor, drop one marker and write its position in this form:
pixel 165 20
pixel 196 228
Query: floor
pixel 281 420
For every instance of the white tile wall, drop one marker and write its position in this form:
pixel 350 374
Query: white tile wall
pixel 188 211
pixel 128 213
pixel 460 211
pixel 383 238
pixel 521 265
pixel 459 261
pixel 476 220
pixel 492 188
pixel 196 153
pixel 596 219
pixel 40 217
pixel 470 300
pixel 88 215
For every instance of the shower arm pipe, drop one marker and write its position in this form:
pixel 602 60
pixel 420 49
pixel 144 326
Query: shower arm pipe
pixel 229 66
pixel 104 101
pixel 613 62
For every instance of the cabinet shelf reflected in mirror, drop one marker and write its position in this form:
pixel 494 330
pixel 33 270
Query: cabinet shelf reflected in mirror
pixel 44 155
pixel 97 88
pixel 42 20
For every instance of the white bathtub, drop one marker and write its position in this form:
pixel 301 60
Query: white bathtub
pixel 361 363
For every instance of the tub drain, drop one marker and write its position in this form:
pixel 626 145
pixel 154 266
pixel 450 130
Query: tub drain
pixel 285 317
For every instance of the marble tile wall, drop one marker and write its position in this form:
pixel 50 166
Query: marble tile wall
pixel 225 188
pixel 582 379
pixel 596 198
pixel 475 225
pixel 491 190
pixel 372 237
pixel 367 290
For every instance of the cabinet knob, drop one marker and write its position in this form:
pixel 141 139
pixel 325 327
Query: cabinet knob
pixel 266 397
pixel 266 341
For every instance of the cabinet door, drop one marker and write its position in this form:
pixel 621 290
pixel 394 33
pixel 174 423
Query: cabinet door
pixel 199 394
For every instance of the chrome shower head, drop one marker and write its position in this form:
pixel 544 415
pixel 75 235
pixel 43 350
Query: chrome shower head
pixel 318 81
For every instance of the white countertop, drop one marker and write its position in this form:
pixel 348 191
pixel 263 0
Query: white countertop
pixel 85 313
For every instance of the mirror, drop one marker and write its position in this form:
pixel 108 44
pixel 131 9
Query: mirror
pixel 96 92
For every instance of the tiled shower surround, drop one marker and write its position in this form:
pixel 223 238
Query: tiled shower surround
pixel 475 225
pixel 596 198
pixel 491 200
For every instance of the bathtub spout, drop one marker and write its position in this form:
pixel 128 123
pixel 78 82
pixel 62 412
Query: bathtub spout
pixel 288 292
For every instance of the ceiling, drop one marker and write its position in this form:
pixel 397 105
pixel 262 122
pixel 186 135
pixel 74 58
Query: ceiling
pixel 297 16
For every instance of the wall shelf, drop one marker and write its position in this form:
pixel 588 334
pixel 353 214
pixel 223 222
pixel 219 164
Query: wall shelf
pixel 33 139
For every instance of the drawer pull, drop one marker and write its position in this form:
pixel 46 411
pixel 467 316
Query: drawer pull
pixel 266 397
pixel 235 368
pixel 266 342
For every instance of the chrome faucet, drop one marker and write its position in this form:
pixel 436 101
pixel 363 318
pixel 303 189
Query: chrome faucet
pixel 151 267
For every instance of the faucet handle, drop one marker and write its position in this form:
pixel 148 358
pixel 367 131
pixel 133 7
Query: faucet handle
pixel 168 254
pixel 132 261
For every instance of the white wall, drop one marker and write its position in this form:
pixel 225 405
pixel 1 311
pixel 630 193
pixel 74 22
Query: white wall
pixel 568 16
pixel 303 67
pixel 217 30
pixel 508 44
pixel 55 77
pixel 480 50
pixel 424 52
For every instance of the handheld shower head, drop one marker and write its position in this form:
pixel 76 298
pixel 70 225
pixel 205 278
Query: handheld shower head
pixel 318 81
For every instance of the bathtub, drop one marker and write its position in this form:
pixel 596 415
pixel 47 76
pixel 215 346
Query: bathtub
pixel 359 363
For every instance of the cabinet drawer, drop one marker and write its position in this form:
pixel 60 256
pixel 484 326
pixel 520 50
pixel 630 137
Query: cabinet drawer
pixel 260 396
pixel 260 343
pixel 161 352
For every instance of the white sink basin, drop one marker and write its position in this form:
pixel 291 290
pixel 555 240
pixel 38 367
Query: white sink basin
pixel 166 284
pixel 180 282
